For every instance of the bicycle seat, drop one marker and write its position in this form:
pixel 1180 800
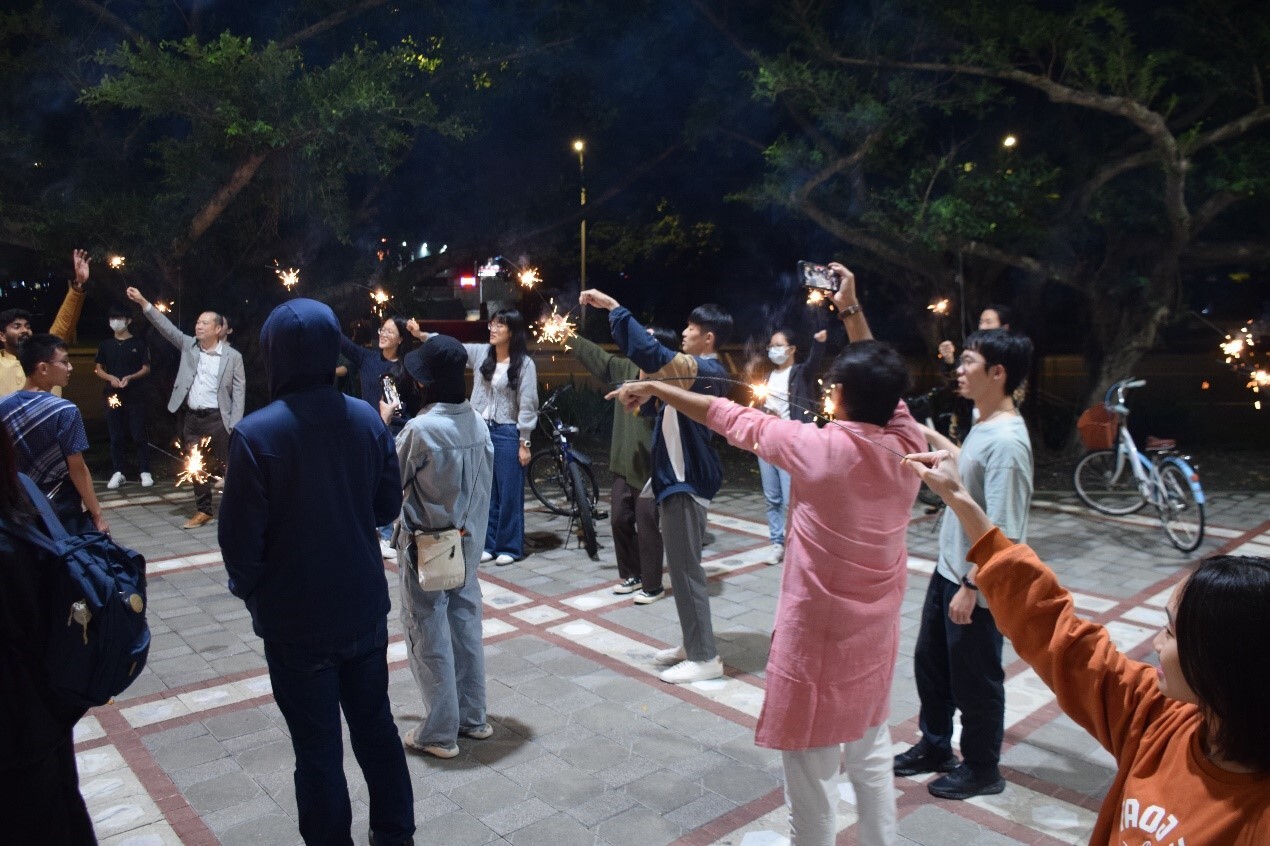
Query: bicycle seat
pixel 1155 444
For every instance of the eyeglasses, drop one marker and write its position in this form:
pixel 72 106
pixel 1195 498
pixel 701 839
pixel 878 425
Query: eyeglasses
pixel 492 326
pixel 65 362
pixel 389 330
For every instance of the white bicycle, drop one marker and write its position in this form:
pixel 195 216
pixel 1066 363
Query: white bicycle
pixel 1120 480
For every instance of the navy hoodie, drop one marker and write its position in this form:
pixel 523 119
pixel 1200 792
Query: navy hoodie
pixel 310 476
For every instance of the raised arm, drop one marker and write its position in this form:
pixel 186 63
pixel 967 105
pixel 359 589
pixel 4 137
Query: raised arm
pixel 68 315
pixel 159 321
pixel 848 305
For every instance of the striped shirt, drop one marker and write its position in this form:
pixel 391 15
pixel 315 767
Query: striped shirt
pixel 45 431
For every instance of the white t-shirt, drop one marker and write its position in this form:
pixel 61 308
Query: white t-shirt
pixel 778 393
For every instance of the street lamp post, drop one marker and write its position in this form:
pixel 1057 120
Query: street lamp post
pixel 579 147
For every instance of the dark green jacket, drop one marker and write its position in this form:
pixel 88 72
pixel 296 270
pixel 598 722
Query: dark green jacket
pixel 631 448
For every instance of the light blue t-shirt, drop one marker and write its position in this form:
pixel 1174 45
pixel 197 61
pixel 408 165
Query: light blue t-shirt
pixel 996 468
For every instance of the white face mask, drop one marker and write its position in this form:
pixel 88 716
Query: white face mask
pixel 778 355
pixel 118 325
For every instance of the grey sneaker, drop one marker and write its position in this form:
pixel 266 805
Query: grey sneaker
pixel 480 732
pixel 437 750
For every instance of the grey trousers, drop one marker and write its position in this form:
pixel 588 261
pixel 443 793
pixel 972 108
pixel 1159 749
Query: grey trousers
pixel 683 527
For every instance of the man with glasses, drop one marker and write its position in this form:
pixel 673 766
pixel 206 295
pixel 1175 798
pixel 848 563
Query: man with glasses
pixel 48 435
pixel 15 323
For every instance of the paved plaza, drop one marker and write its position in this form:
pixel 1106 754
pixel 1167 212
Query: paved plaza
pixel 589 747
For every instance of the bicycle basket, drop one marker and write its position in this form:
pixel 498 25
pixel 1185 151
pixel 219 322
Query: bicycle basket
pixel 1097 427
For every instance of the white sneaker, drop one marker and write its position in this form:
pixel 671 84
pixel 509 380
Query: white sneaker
pixel 666 657
pixel 115 481
pixel 439 750
pixel 147 481
pixel 386 549
pixel 487 557
pixel 643 597
pixel 694 671
pixel 503 560
pixel 775 554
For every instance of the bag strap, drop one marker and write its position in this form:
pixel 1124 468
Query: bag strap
pixel 52 525
pixel 414 482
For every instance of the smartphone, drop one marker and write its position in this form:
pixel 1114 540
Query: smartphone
pixel 817 276
pixel 390 392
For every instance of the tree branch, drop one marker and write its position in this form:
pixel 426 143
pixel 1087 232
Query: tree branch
pixel 898 255
pixel 329 22
pixel 112 20
pixel 1028 264
pixel 1218 254
pixel 219 201
pixel 1231 130
pixel 1109 172
pixel 1212 207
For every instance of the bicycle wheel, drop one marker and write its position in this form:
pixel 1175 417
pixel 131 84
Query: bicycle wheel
pixel 586 520
pixel 549 484
pixel 1181 514
pixel 1106 487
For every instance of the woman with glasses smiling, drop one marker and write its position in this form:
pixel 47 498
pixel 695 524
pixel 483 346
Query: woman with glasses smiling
pixel 505 393
pixel 372 366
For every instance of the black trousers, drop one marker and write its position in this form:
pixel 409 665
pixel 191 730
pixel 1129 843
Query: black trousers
pixel 959 668
pixel 636 535
pixel 196 426
pixel 124 423
pixel 41 803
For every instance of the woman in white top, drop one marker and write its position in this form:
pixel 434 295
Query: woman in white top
pixel 786 383
pixel 505 393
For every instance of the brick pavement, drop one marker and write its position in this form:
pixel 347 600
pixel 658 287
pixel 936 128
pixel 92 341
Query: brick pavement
pixel 589 747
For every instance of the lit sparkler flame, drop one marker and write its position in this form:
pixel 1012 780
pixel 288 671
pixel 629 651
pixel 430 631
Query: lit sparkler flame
pixel 113 401
pixel 1233 347
pixel 556 328
pixel 815 297
pixel 1258 379
pixel 162 306
pixel 380 298
pixel 116 262
pixel 940 307
pixel 289 277
pixel 529 277
pixel 195 471
pixel 760 392
pixel 828 403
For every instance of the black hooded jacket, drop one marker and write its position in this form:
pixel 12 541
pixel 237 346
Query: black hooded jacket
pixel 310 476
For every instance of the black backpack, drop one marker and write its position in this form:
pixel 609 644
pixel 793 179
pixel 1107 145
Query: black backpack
pixel 98 635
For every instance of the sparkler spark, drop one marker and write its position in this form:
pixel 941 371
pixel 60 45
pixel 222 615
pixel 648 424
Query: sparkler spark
pixel 529 277
pixel 289 277
pixel 162 306
pixel 116 262
pixel 1258 379
pixel 113 401
pixel 195 470
pixel 556 328
pixel 380 298
pixel 815 297
pixel 1234 347
pixel 760 392
pixel 940 307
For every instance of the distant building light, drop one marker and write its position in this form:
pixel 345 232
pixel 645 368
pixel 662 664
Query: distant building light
pixel 488 270
pixel 444 247
pixel 467 281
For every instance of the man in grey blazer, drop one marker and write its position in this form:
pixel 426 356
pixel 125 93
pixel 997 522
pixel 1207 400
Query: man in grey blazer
pixel 210 386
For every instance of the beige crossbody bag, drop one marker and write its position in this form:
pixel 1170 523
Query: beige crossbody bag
pixel 439 554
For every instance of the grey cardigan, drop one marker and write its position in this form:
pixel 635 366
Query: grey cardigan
pixel 497 403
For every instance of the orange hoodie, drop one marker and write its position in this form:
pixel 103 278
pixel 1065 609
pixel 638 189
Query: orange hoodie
pixel 1166 792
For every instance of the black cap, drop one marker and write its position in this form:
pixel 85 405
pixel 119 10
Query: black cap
pixel 438 365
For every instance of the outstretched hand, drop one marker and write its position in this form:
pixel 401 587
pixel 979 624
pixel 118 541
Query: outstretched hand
pixel 938 470
pixel 412 326
pixel 80 259
pixel 597 298
pixel 632 394
pixel 135 295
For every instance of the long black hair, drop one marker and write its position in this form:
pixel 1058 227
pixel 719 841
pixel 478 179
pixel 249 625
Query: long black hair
pixel 1222 624
pixel 517 347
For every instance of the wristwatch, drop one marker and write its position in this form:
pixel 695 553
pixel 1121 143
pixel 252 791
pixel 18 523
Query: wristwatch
pixel 525 443
pixel 854 308
pixel 965 580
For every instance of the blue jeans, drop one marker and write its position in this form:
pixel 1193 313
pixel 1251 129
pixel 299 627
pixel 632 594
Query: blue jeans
pixel 959 668
pixel 447 658
pixel 505 534
pixel 776 493
pixel 310 685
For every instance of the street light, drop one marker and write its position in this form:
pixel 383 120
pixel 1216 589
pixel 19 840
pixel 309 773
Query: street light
pixel 579 147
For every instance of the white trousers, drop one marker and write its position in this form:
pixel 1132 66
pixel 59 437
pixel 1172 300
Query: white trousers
pixel 811 790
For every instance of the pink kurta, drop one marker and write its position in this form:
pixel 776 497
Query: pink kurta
pixel 837 626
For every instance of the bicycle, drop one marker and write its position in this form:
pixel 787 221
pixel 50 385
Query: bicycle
pixel 561 477
pixel 1115 478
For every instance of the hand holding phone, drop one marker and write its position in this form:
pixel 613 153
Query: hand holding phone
pixel 817 276
pixel 390 392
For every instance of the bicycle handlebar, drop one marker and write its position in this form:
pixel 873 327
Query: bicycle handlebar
pixel 1117 405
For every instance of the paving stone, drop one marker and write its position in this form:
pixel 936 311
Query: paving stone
pixel 558 830
pixel 234 815
pixel 638 827
pixel 268 830
pixel 566 789
pixel 594 754
pixel 188 753
pixel 707 808
pixel 487 794
pixel 932 826
pixel 739 784
pixel 663 790
pixel 220 792
pixel 517 816
pixel 599 808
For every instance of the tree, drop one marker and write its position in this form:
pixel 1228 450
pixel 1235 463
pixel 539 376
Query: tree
pixel 1136 136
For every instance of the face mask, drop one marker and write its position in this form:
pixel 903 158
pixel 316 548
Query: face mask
pixel 118 325
pixel 778 355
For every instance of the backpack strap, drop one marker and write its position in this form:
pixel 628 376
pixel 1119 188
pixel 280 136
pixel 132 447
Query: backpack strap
pixel 31 534
pixel 52 525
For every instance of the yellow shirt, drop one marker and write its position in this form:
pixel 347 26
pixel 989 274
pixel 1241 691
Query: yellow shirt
pixel 11 376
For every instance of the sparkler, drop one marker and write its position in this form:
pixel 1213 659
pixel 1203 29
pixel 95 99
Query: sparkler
pixel 760 392
pixel 380 298
pixel 940 307
pixel 195 470
pixel 116 262
pixel 556 328
pixel 162 306
pixel 113 401
pixel 289 277
pixel 529 277
pixel 815 297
